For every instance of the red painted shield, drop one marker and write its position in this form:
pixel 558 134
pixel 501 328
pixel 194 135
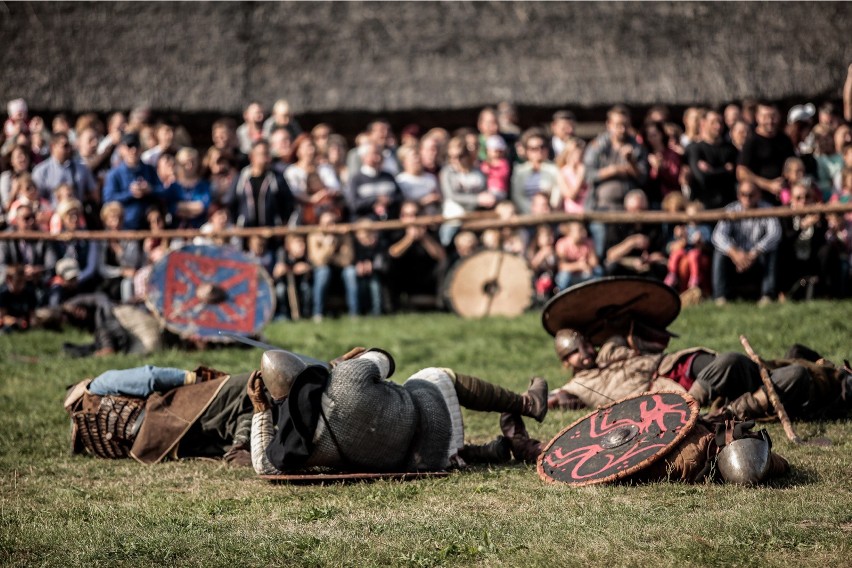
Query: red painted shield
pixel 198 291
pixel 618 440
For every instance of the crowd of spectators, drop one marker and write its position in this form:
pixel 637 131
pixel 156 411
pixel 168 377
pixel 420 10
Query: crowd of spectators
pixel 137 171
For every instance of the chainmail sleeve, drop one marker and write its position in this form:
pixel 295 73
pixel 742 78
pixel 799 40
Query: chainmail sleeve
pixel 262 429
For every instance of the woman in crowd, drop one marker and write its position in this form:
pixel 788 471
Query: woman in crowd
pixel 218 167
pixel 464 187
pixel 297 175
pixel 663 164
pixel 19 162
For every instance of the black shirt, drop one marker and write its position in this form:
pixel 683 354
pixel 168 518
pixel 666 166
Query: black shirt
pixel 717 187
pixel 766 156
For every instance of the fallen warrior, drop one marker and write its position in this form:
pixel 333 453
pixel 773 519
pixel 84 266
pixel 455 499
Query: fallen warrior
pixel 354 419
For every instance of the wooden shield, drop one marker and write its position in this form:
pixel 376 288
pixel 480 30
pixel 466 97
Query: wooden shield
pixel 618 440
pixel 602 308
pixel 322 478
pixel 490 283
pixel 181 293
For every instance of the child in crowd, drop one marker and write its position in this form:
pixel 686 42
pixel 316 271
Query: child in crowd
pixel 465 243
pixel 845 195
pixel 17 301
pixel 794 173
pixel 24 191
pixel 329 250
pixel 63 192
pixel 573 171
pixel 293 279
pixel 496 167
pixel 542 259
pixel 217 222
pixel 370 262
pixel 511 239
pixel 576 258
pixel 838 236
pixel 689 257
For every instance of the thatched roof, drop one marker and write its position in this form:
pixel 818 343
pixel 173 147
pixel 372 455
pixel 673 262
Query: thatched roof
pixel 196 57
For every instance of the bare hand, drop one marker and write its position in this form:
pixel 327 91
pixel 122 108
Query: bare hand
pixel 486 200
pixel 704 166
pixel 776 185
pixel 279 270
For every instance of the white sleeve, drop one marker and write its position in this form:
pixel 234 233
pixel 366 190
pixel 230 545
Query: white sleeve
pixel 261 434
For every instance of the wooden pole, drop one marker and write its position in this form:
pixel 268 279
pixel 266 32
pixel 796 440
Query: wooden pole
pixel 770 390
pixel 475 221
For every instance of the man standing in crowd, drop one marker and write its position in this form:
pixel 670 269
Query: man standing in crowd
pixel 373 192
pixel 378 133
pixel 615 163
pixel 712 164
pixel 132 183
pixel 251 131
pixel 165 135
pixel 745 246
pixel 764 153
pixel 260 197
pixel 63 167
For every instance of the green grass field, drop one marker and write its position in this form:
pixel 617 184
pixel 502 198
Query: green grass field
pixel 58 510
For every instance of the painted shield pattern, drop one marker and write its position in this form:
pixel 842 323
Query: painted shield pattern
pixel 618 440
pixel 197 291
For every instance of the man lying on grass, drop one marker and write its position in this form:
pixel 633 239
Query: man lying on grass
pixel 153 413
pixel 808 385
pixel 353 418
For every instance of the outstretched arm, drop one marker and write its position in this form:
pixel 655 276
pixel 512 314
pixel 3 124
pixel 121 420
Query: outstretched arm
pixel 262 428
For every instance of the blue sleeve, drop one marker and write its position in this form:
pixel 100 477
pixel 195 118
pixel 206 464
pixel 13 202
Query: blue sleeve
pixel 113 190
pixel 88 271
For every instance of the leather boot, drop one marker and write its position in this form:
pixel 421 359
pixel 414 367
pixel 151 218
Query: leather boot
pixel 699 393
pixel 750 406
pixel 524 448
pixel 477 394
pixel 496 451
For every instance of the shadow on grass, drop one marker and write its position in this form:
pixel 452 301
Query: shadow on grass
pixel 799 475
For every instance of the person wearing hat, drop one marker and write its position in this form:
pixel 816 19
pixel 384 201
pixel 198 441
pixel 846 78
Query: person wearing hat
pixel 764 153
pixel 132 183
pixel 353 418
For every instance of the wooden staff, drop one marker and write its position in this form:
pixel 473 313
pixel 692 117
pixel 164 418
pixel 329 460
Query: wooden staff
pixel 773 395
pixel 292 297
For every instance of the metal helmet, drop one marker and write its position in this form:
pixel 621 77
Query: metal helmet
pixel 279 369
pixel 746 461
pixel 567 341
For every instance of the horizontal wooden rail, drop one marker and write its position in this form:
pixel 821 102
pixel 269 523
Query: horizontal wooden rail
pixel 477 221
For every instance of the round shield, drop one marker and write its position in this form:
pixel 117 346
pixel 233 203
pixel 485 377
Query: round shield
pixel 618 440
pixel 602 308
pixel 197 291
pixel 490 283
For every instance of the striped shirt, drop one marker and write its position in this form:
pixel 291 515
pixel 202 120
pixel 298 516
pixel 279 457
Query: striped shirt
pixel 761 234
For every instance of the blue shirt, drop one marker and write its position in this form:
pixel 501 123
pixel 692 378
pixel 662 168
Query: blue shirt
pixel 199 192
pixel 117 188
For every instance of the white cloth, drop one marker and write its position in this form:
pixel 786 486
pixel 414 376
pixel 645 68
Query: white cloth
pixel 443 379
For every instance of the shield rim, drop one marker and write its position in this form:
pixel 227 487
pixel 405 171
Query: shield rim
pixel 690 424
pixel 216 338
pixel 451 277
pixel 559 298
